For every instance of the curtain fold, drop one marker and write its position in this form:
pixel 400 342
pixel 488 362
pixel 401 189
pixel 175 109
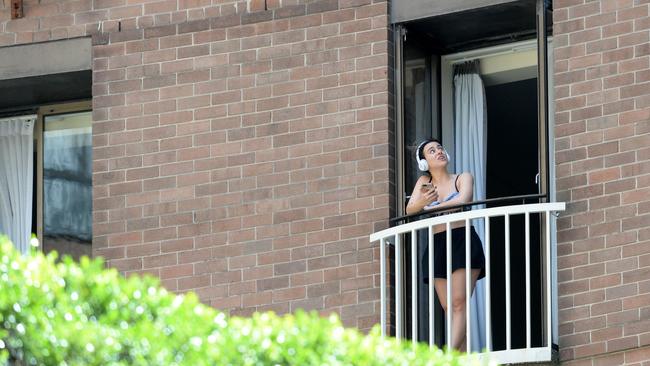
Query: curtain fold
pixel 470 141
pixel 16 179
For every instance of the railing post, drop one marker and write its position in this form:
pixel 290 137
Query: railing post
pixel 508 310
pixel 548 279
pixel 449 307
pixel 382 285
pixel 527 241
pixel 432 280
pixel 468 288
pixel 398 286
pixel 488 291
pixel 414 287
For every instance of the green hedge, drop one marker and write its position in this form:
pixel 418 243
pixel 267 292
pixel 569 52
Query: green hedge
pixel 66 313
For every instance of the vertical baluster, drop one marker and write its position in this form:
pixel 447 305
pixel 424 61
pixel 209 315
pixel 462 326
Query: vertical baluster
pixel 449 308
pixel 528 327
pixel 398 287
pixel 431 288
pixel 488 292
pixel 414 287
pixel 468 289
pixel 548 280
pixel 382 285
pixel 508 314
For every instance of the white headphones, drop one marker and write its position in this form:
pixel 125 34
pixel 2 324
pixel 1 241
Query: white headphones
pixel 423 165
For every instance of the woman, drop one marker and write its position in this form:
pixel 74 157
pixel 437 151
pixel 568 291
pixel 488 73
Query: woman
pixel 455 189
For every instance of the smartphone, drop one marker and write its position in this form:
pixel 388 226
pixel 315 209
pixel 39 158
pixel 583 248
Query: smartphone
pixel 427 186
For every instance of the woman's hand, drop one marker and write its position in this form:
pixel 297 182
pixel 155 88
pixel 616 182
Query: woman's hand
pixel 423 194
pixel 429 196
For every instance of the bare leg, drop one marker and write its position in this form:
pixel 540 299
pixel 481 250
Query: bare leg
pixel 457 304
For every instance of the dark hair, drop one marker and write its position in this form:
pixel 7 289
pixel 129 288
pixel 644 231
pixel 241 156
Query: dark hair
pixel 420 150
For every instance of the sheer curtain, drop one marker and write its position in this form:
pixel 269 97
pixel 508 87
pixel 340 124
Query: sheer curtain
pixel 16 179
pixel 470 141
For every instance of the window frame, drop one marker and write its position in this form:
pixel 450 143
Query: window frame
pixel 542 42
pixel 42 112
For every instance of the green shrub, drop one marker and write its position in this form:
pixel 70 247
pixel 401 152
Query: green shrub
pixel 67 313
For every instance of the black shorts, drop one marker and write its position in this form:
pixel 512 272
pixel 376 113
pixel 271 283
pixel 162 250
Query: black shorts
pixel 477 259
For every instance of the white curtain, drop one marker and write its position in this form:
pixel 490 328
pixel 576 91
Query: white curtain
pixel 470 141
pixel 16 179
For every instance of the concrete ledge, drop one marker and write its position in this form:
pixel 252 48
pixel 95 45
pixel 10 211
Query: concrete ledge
pixel 407 10
pixel 46 58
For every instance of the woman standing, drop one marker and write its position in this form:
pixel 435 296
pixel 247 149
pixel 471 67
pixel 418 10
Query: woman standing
pixel 454 189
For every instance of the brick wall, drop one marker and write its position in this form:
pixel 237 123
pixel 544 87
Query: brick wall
pixel 245 157
pixel 46 20
pixel 240 148
pixel 60 19
pixel 602 136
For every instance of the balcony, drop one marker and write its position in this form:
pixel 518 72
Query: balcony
pixel 526 335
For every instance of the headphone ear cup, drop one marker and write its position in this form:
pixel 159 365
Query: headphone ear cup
pixel 423 165
pixel 422 162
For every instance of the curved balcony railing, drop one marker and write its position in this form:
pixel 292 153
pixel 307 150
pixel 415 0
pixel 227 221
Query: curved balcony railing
pixel 394 236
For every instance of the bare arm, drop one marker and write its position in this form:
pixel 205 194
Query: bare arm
pixel 420 197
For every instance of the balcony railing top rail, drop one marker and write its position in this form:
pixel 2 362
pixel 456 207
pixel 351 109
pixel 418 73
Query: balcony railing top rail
pixel 465 206
pixel 467 215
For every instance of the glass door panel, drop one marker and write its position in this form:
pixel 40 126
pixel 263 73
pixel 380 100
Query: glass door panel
pixel 67 183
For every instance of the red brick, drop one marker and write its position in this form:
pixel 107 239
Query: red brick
pixel 288 100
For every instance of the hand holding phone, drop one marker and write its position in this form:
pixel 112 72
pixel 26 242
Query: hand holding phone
pixel 430 193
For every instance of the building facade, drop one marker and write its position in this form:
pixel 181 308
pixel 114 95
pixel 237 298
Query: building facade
pixel 247 150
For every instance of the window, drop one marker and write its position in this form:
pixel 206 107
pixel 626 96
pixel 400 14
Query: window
pixel 63 179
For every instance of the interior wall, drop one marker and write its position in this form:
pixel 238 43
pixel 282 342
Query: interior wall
pixel 509 67
pixel 512 162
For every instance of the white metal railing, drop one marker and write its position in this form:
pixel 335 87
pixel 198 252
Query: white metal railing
pixel 393 236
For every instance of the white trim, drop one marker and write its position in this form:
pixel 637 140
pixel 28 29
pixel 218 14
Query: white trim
pixel 523 355
pixel 398 289
pixel 468 215
pixel 414 289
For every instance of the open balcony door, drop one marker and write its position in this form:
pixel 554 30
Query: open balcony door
pixel 464 131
